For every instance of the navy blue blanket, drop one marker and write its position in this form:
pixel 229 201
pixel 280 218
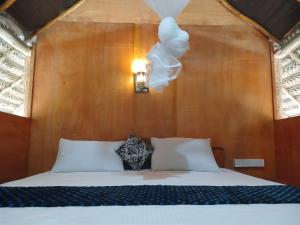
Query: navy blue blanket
pixel 146 195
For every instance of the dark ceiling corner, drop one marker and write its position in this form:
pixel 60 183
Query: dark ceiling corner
pixel 4 4
pixel 34 15
pixel 276 17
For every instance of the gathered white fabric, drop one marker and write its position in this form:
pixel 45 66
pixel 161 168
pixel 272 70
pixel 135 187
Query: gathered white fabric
pixel 165 8
pixel 163 68
pixel 173 43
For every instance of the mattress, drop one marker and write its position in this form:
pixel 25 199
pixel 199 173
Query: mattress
pixel 255 214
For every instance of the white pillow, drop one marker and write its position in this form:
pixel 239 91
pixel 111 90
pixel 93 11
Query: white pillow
pixel 183 154
pixel 87 156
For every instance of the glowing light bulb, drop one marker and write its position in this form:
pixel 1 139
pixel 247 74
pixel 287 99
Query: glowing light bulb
pixel 141 78
pixel 139 65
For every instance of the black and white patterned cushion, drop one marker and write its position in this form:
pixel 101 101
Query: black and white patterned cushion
pixel 135 152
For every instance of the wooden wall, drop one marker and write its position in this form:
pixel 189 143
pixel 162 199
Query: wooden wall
pixel 83 89
pixel 204 12
pixel 287 148
pixel 14 139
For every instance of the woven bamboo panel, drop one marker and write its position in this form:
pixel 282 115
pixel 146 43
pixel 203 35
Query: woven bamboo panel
pixel 12 72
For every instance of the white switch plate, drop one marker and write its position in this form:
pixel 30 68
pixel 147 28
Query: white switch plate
pixel 249 163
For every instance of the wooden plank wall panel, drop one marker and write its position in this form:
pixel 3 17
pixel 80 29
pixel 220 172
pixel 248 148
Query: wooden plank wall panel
pixel 82 84
pixel 14 138
pixel 204 12
pixel 224 91
pixel 155 113
pixel 287 148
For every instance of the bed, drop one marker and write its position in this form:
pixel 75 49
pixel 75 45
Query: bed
pixel 258 214
pixel 90 185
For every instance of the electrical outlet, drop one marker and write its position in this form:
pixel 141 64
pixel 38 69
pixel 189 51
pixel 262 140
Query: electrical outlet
pixel 238 163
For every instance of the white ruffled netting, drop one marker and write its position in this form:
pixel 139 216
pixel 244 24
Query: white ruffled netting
pixel 173 43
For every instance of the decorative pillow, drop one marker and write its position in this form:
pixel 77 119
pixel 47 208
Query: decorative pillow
pixel 87 156
pixel 135 152
pixel 146 166
pixel 183 154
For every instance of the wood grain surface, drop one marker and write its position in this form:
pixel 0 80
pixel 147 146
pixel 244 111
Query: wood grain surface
pixel 204 12
pixel 14 138
pixel 83 89
pixel 287 148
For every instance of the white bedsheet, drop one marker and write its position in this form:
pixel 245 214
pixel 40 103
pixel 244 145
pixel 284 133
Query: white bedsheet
pixel 260 214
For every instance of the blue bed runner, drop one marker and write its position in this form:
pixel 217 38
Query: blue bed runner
pixel 146 195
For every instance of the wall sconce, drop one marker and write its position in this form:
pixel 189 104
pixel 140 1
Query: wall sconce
pixel 140 76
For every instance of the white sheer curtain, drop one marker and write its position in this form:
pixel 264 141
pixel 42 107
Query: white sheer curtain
pixel 173 43
pixel 166 8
